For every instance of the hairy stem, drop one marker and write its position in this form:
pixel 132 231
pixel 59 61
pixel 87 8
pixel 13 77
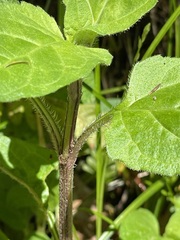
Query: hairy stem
pixel 98 123
pixel 66 166
pixel 65 201
pixel 41 107
pixel 74 97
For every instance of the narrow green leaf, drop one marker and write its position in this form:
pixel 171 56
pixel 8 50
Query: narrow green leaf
pixel 140 225
pixel 85 19
pixel 34 58
pixel 141 40
pixel 145 130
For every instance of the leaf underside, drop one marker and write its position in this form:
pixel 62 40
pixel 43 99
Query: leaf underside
pixel 35 60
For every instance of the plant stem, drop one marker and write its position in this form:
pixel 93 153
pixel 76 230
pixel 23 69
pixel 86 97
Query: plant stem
pixel 46 8
pixel 101 163
pixel 114 90
pixel 65 200
pixel 40 130
pixel 172 6
pixel 66 162
pixel 61 13
pixel 177 37
pixel 97 95
pixel 52 225
pixel 162 33
pixel 98 156
pixel 99 122
pixel 74 97
pixel 41 107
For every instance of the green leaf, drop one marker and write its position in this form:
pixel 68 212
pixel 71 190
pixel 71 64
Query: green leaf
pixel 39 236
pixel 145 130
pixel 53 185
pixel 85 19
pixel 172 228
pixel 28 165
pixel 9 1
pixel 3 236
pixel 140 224
pixel 141 40
pixel 34 58
pixel 17 206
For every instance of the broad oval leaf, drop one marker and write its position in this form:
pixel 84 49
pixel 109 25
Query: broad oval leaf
pixel 16 206
pixel 172 228
pixel 28 165
pixel 140 224
pixel 145 130
pixel 85 19
pixel 35 60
